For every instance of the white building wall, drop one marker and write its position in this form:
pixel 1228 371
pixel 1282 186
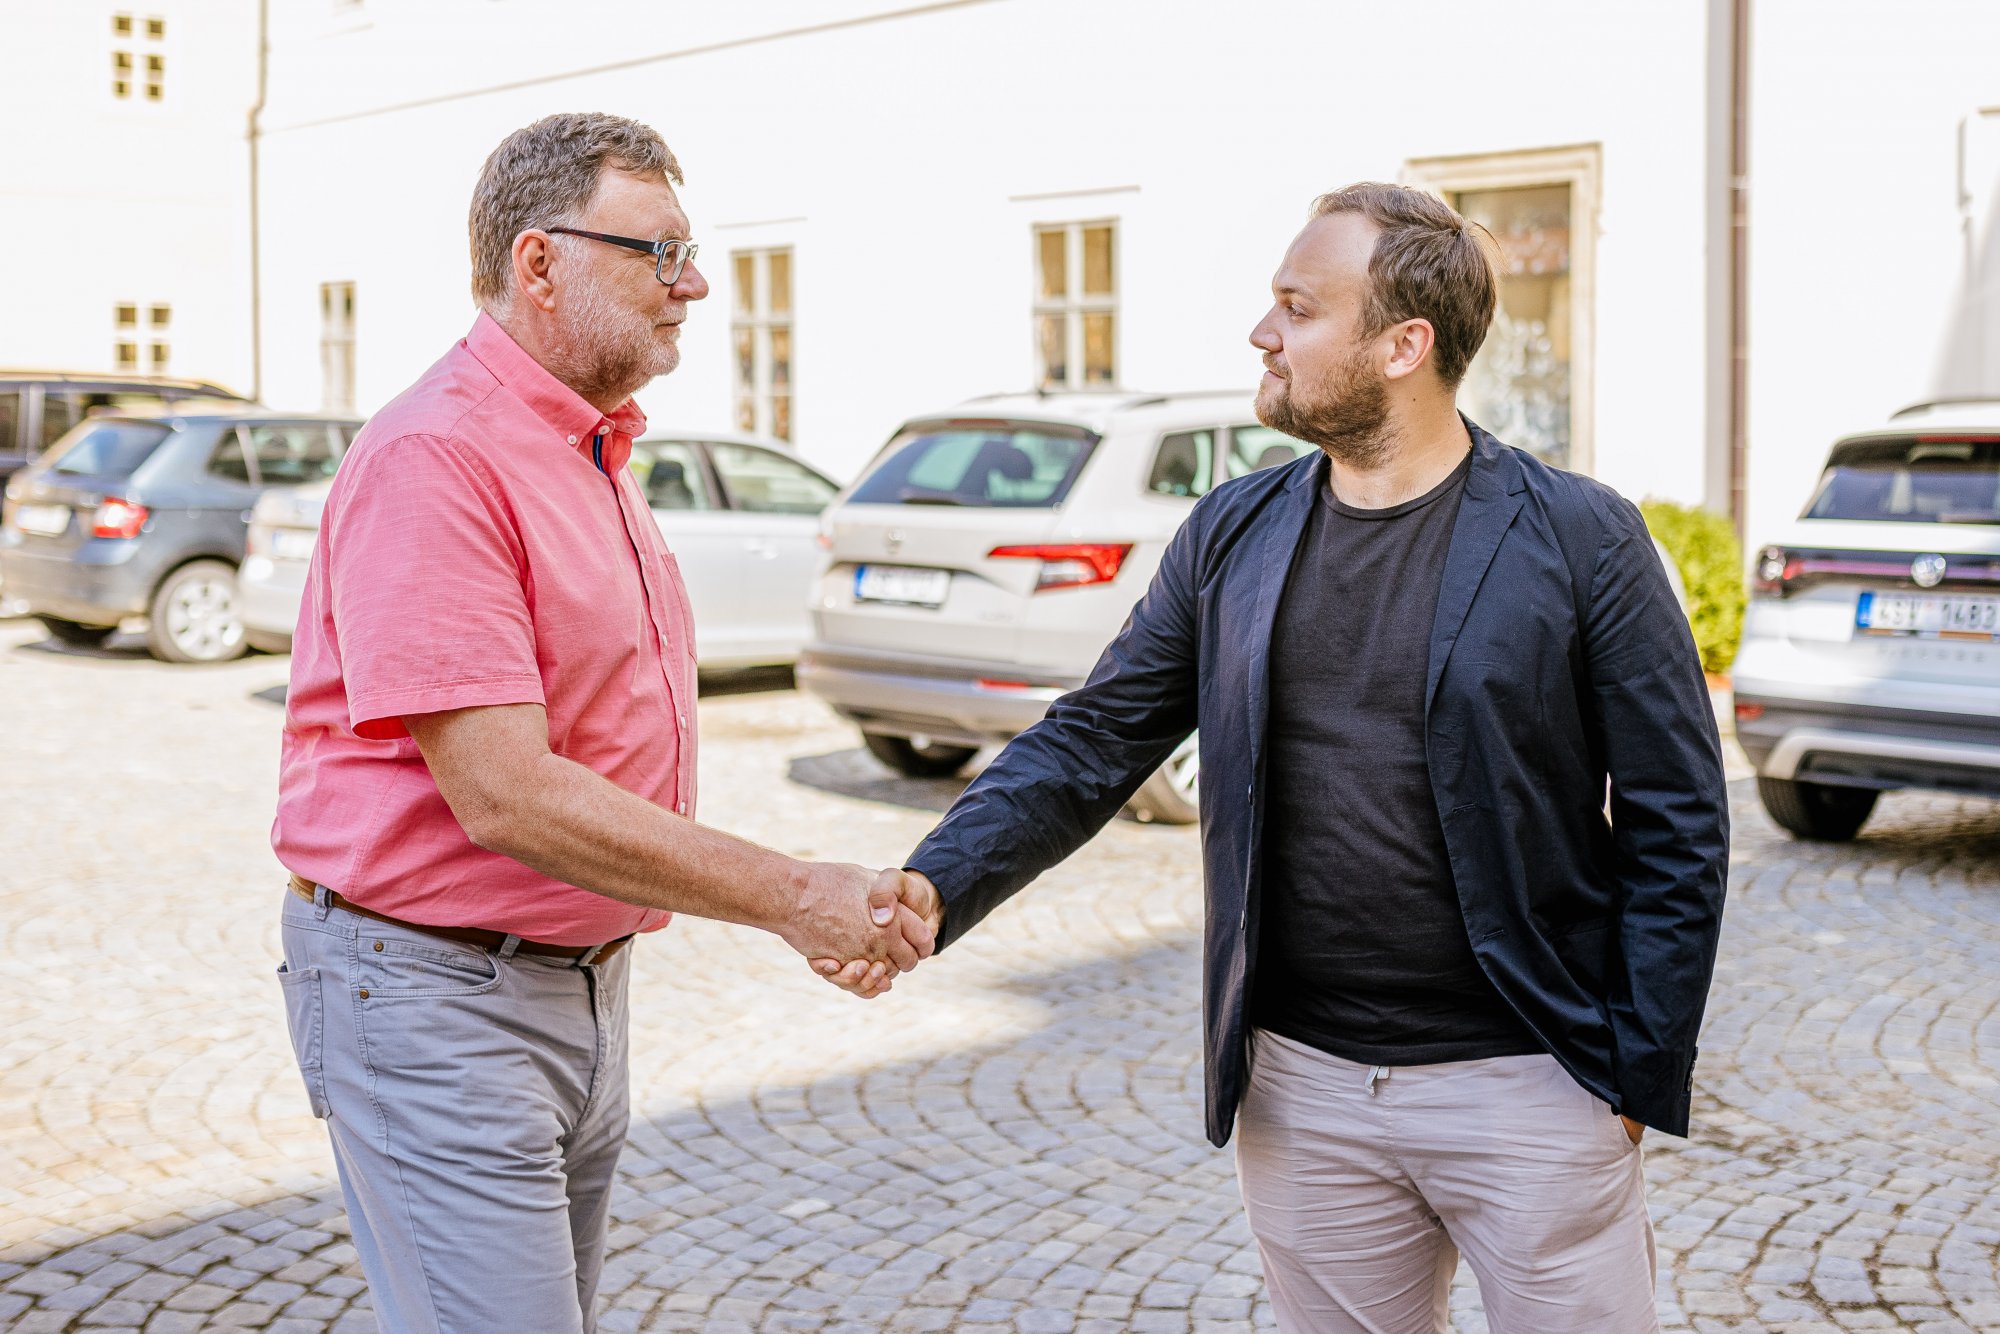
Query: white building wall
pixel 104 201
pixel 907 160
pixel 1857 266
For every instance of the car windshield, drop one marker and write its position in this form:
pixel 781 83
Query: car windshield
pixel 988 464
pixel 1928 479
pixel 108 449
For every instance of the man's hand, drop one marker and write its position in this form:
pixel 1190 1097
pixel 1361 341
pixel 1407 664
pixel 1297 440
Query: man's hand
pixel 918 909
pixel 1632 1129
pixel 848 913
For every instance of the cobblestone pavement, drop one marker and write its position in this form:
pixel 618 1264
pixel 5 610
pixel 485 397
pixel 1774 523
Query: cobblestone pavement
pixel 1009 1142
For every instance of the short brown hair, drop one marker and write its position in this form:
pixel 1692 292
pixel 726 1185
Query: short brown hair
pixel 1429 263
pixel 544 176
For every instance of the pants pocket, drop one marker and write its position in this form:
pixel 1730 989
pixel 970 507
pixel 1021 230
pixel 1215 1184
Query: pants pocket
pixel 303 1018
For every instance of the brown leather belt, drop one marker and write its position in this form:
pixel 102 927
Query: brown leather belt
pixel 469 935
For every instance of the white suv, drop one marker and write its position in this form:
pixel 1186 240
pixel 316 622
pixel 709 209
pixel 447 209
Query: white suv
pixel 1871 650
pixel 981 563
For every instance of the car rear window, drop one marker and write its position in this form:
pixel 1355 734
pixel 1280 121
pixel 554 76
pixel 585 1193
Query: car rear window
pixel 988 464
pixel 109 449
pixel 1929 479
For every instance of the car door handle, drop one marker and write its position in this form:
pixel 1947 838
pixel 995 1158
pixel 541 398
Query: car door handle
pixel 757 547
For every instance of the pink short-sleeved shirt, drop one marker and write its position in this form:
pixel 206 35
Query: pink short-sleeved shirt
pixel 484 543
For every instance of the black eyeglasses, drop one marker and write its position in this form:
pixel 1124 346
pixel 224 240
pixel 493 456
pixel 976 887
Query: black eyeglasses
pixel 670 256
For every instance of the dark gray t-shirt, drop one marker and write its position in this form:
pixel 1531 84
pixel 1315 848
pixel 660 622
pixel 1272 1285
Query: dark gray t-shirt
pixel 1361 946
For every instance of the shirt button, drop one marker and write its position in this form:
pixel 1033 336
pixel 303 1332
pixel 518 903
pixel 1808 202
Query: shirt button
pixel 572 440
pixel 684 811
pixel 684 720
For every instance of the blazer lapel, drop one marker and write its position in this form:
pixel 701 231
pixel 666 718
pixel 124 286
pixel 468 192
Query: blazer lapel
pixel 1277 544
pixel 1494 494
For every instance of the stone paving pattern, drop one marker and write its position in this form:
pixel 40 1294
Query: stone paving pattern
pixel 1010 1141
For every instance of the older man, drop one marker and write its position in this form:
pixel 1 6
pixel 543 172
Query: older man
pixel 1443 992
pixel 487 789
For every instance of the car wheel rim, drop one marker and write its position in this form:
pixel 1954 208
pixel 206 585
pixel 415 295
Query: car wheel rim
pixel 202 620
pixel 1184 768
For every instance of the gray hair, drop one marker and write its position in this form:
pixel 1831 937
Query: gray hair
pixel 544 176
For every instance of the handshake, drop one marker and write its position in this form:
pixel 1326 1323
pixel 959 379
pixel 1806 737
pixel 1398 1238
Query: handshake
pixel 859 928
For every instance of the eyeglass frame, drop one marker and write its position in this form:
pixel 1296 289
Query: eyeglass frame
pixel 658 249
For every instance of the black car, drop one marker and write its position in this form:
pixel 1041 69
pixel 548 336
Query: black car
pixel 147 514
pixel 37 408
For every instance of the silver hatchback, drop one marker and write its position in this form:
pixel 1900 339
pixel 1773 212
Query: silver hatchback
pixel 1871 648
pixel 981 563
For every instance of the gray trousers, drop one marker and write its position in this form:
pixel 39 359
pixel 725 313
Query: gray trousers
pixel 1363 1186
pixel 477 1105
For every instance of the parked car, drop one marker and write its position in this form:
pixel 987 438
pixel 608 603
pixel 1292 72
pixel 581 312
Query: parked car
pixel 145 514
pixel 37 408
pixel 981 563
pixel 739 513
pixel 1871 646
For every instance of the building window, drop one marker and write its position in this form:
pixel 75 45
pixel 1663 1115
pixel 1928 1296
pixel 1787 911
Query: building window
pixel 156 28
pixel 125 65
pixel 128 356
pixel 156 78
pixel 161 353
pixel 160 316
pixel 1076 305
pixel 126 315
pixel 761 329
pixel 336 346
pixel 1531 384
pixel 121 25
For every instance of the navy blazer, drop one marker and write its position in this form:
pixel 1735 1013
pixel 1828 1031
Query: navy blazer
pixel 1559 662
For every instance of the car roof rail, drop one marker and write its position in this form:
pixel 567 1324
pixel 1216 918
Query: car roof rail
pixel 1948 401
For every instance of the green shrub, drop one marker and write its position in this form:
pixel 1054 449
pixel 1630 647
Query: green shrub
pixel 1704 545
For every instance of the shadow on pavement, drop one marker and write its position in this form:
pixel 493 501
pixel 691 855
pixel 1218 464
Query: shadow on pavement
pixel 856 773
pixel 119 648
pixel 746 681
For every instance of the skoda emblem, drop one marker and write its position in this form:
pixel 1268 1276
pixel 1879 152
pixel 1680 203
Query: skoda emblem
pixel 892 542
pixel 1928 570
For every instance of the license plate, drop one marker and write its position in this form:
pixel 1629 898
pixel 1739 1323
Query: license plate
pixel 42 520
pixel 1929 615
pixel 293 543
pixel 901 583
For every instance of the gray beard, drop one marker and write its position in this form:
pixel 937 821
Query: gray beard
pixel 602 352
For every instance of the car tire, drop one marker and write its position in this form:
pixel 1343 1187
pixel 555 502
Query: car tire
pixel 906 757
pixel 75 633
pixel 194 617
pixel 1171 795
pixel 1817 811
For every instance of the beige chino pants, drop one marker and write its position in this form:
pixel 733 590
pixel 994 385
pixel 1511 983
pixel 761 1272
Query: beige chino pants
pixel 1364 1185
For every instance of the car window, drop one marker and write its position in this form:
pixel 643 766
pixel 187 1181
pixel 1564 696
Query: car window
pixel 293 453
pixel 762 482
pixel 670 474
pixel 109 449
pixel 64 408
pixel 1934 480
pixel 1002 465
pixel 1254 448
pixel 10 419
pixel 227 459
pixel 1185 465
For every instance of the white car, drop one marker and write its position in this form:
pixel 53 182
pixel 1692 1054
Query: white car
pixel 981 563
pixel 740 514
pixel 1871 647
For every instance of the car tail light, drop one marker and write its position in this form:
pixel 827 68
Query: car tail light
pixel 1776 567
pixel 1070 564
pixel 118 518
pixel 1748 712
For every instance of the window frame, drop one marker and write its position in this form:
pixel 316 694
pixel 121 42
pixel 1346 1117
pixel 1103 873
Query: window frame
pixel 1074 303
pixel 338 330
pixel 711 485
pixel 760 322
pixel 1581 168
pixel 232 431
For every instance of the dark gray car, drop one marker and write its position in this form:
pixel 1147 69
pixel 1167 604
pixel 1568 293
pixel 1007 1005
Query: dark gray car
pixel 146 514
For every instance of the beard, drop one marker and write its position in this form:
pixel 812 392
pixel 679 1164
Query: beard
pixel 1344 411
pixel 603 348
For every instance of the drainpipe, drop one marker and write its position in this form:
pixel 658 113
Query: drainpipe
pixel 256 240
pixel 1739 261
